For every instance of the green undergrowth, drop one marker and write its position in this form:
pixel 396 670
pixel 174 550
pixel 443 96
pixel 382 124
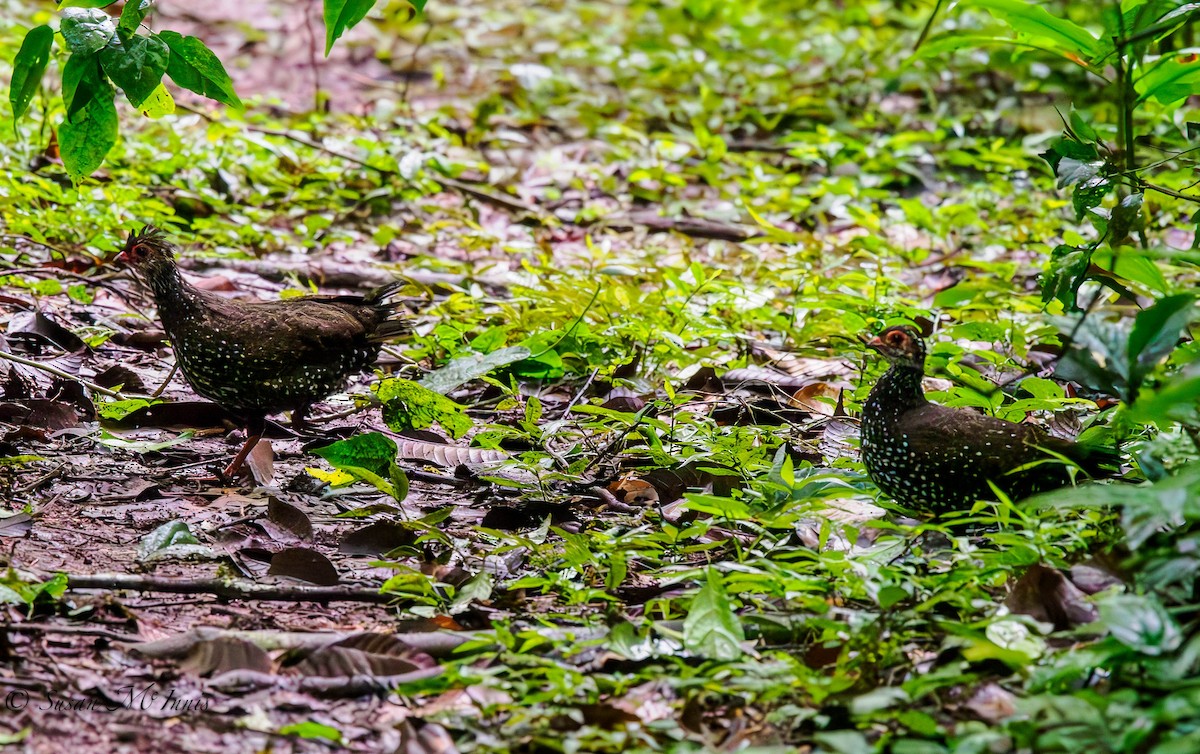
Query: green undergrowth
pixel 765 611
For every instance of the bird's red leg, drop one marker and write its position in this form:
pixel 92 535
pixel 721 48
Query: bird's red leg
pixel 255 427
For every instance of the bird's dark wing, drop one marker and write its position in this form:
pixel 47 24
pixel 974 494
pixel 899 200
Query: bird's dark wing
pixel 273 337
pixel 987 447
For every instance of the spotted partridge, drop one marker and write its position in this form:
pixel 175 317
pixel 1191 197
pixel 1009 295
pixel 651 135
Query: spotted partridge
pixel 260 358
pixel 934 458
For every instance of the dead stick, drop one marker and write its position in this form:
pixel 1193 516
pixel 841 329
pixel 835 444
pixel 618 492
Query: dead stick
pixel 226 589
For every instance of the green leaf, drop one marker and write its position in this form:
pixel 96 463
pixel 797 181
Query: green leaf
pixel 1170 81
pixel 408 405
pixel 86 30
pixel 136 65
pixel 82 82
pixel 372 451
pixel 1141 623
pixel 466 368
pixel 86 139
pixel 711 628
pixel 1063 36
pixel 194 67
pixel 1156 332
pixel 1067 270
pixel 341 15
pixel 132 15
pixel 1081 127
pixel 1071 171
pixel 28 68
pixel 110 411
pixel 544 363
pixel 1177 401
pixel 86 3
pixel 159 103
pixel 1097 355
pixel 170 540
pixel 312 730
pixel 370 458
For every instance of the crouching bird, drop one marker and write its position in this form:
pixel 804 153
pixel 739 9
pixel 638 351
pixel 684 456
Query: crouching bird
pixel 935 458
pixel 263 357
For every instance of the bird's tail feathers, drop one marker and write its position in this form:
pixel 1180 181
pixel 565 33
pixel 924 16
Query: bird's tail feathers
pixel 395 325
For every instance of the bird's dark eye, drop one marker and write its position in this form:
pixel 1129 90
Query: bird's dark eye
pixel 138 251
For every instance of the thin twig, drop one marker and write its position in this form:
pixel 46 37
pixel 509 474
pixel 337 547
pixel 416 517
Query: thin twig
pixel 579 394
pixel 60 373
pixel 35 242
pixel 47 628
pixel 412 65
pixel 167 381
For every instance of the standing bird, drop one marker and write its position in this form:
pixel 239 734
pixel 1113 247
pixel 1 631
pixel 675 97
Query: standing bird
pixel 263 357
pixel 938 458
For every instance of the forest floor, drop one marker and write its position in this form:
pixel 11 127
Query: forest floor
pixel 681 249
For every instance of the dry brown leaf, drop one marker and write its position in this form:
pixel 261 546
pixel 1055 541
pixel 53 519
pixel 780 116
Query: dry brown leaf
pixel 223 654
pixel 261 462
pixel 819 397
pixel 1048 596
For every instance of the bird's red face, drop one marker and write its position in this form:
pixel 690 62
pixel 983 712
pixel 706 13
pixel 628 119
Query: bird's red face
pixel 141 248
pixel 900 345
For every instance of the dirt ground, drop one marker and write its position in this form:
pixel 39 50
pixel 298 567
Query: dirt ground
pixel 72 679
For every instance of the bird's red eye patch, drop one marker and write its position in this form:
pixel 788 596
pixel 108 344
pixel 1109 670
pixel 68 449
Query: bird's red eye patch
pixel 896 338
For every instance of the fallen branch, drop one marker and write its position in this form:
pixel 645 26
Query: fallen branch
pixel 237 590
pixel 695 227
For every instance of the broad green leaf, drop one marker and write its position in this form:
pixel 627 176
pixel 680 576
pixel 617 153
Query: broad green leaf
pixel 544 362
pixel 371 458
pixel 409 405
pixel 711 628
pixel 86 30
pixel 171 540
pixel 1097 356
pixel 132 15
pixel 136 65
pixel 86 3
pixel 466 368
pixel 1065 37
pixel 194 67
pixel 341 15
pixel 86 139
pixel 1156 332
pixel 82 83
pixel 372 451
pixel 1170 80
pixel 28 68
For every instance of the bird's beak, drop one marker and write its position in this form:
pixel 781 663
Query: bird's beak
pixel 875 343
pixel 122 257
